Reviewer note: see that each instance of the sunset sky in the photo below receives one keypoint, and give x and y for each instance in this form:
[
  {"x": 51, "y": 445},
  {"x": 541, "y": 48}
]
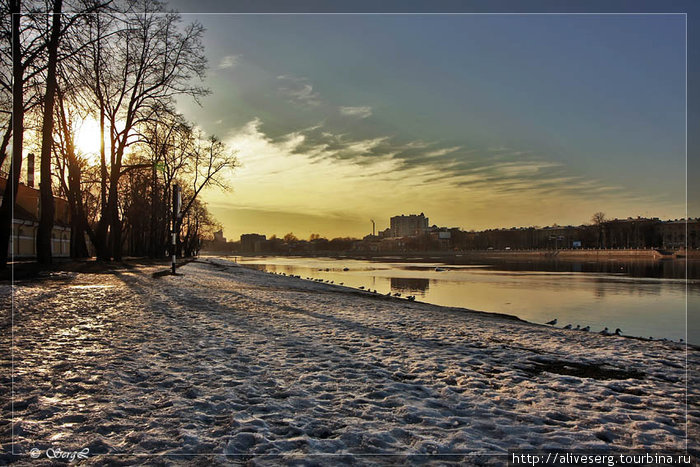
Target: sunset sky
[{"x": 478, "y": 121}]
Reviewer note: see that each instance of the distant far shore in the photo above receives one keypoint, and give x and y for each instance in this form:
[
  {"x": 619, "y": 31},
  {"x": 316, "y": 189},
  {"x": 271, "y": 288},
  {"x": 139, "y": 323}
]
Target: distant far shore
[{"x": 453, "y": 257}]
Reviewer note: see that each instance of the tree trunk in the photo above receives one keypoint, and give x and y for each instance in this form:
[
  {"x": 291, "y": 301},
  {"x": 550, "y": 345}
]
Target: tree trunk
[
  {"x": 115, "y": 225},
  {"x": 78, "y": 221},
  {"x": 153, "y": 234},
  {"x": 100, "y": 241},
  {"x": 12, "y": 182},
  {"x": 5, "y": 142},
  {"x": 47, "y": 208}
]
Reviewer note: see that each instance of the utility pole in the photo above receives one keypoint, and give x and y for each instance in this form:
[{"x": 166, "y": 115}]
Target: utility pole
[{"x": 177, "y": 202}]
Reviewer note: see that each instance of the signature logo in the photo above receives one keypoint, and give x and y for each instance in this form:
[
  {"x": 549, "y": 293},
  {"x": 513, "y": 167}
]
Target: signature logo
[{"x": 58, "y": 453}]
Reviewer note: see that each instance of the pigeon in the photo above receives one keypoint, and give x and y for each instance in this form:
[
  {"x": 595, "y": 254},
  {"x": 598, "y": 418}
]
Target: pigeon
[
  {"x": 568, "y": 326},
  {"x": 587, "y": 328},
  {"x": 552, "y": 323}
]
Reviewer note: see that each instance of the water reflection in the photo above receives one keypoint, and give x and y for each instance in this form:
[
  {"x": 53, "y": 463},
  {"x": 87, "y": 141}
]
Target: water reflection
[{"x": 410, "y": 284}]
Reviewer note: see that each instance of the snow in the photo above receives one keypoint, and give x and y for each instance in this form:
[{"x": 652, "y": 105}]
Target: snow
[{"x": 225, "y": 364}]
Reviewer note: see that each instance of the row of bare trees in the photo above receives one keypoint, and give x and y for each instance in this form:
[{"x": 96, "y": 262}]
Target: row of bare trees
[{"x": 121, "y": 64}]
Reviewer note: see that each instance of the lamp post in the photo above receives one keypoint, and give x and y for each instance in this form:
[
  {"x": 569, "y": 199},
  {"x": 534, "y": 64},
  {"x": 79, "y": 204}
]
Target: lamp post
[{"x": 177, "y": 202}]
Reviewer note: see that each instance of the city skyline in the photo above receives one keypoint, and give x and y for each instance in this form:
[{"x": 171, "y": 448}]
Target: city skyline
[
  {"x": 485, "y": 121},
  {"x": 383, "y": 227}
]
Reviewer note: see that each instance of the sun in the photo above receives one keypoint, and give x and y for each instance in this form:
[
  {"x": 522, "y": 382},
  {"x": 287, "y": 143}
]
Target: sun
[{"x": 87, "y": 138}]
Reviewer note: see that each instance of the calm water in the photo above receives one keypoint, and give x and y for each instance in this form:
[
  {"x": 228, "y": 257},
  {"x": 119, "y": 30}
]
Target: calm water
[{"x": 617, "y": 296}]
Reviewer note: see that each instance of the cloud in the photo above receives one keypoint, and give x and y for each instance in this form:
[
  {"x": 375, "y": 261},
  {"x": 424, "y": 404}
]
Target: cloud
[
  {"x": 299, "y": 90},
  {"x": 229, "y": 61},
  {"x": 442, "y": 152},
  {"x": 314, "y": 170},
  {"x": 359, "y": 112}
]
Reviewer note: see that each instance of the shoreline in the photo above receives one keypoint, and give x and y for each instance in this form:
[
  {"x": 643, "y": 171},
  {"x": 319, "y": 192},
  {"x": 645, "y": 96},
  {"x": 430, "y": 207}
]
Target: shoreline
[
  {"x": 466, "y": 255},
  {"x": 635, "y": 267},
  {"x": 366, "y": 294},
  {"x": 230, "y": 363}
]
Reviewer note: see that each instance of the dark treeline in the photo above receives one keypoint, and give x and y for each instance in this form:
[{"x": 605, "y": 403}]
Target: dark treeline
[
  {"x": 601, "y": 233},
  {"x": 121, "y": 65}
]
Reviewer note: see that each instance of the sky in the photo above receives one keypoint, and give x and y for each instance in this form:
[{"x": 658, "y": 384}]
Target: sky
[{"x": 478, "y": 121}]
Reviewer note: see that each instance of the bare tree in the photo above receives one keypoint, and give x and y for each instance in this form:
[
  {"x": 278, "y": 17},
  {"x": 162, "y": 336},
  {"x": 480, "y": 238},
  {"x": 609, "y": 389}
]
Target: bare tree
[
  {"x": 46, "y": 219},
  {"x": 209, "y": 164},
  {"x": 599, "y": 221},
  {"x": 69, "y": 167},
  {"x": 151, "y": 60},
  {"x": 17, "y": 128}
]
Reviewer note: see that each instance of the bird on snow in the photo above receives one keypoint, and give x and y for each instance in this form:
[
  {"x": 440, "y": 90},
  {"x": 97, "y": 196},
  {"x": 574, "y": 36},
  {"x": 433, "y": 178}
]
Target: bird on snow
[
  {"x": 568, "y": 326},
  {"x": 587, "y": 328},
  {"x": 552, "y": 323}
]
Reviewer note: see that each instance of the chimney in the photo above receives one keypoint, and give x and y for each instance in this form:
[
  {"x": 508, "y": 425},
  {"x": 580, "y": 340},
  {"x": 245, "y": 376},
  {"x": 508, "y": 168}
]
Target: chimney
[{"x": 30, "y": 170}]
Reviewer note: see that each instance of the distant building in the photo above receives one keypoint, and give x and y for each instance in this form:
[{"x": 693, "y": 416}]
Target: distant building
[
  {"x": 252, "y": 243},
  {"x": 219, "y": 237},
  {"x": 409, "y": 226}
]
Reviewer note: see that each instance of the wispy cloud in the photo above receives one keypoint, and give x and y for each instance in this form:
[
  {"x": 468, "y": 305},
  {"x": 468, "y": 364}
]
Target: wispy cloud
[
  {"x": 442, "y": 152},
  {"x": 318, "y": 171},
  {"x": 299, "y": 90},
  {"x": 229, "y": 61},
  {"x": 359, "y": 112}
]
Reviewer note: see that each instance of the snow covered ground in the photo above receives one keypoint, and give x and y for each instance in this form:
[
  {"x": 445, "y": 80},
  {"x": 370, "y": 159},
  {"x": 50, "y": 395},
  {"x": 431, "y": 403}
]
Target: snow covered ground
[{"x": 225, "y": 364}]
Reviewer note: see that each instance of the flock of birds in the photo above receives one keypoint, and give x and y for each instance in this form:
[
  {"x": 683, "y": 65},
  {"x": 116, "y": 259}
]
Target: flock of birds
[
  {"x": 410, "y": 298},
  {"x": 604, "y": 332}
]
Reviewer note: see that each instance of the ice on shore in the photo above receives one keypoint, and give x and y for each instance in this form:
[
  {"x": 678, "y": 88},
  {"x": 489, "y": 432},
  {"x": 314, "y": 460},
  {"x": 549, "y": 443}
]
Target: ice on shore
[{"x": 226, "y": 364}]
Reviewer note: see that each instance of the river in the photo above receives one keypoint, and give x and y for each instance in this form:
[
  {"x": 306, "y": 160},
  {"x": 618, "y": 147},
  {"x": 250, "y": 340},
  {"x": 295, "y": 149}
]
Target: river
[{"x": 642, "y": 299}]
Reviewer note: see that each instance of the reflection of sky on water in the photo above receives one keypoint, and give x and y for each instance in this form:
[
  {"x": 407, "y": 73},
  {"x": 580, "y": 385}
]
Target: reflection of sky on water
[{"x": 640, "y": 306}]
